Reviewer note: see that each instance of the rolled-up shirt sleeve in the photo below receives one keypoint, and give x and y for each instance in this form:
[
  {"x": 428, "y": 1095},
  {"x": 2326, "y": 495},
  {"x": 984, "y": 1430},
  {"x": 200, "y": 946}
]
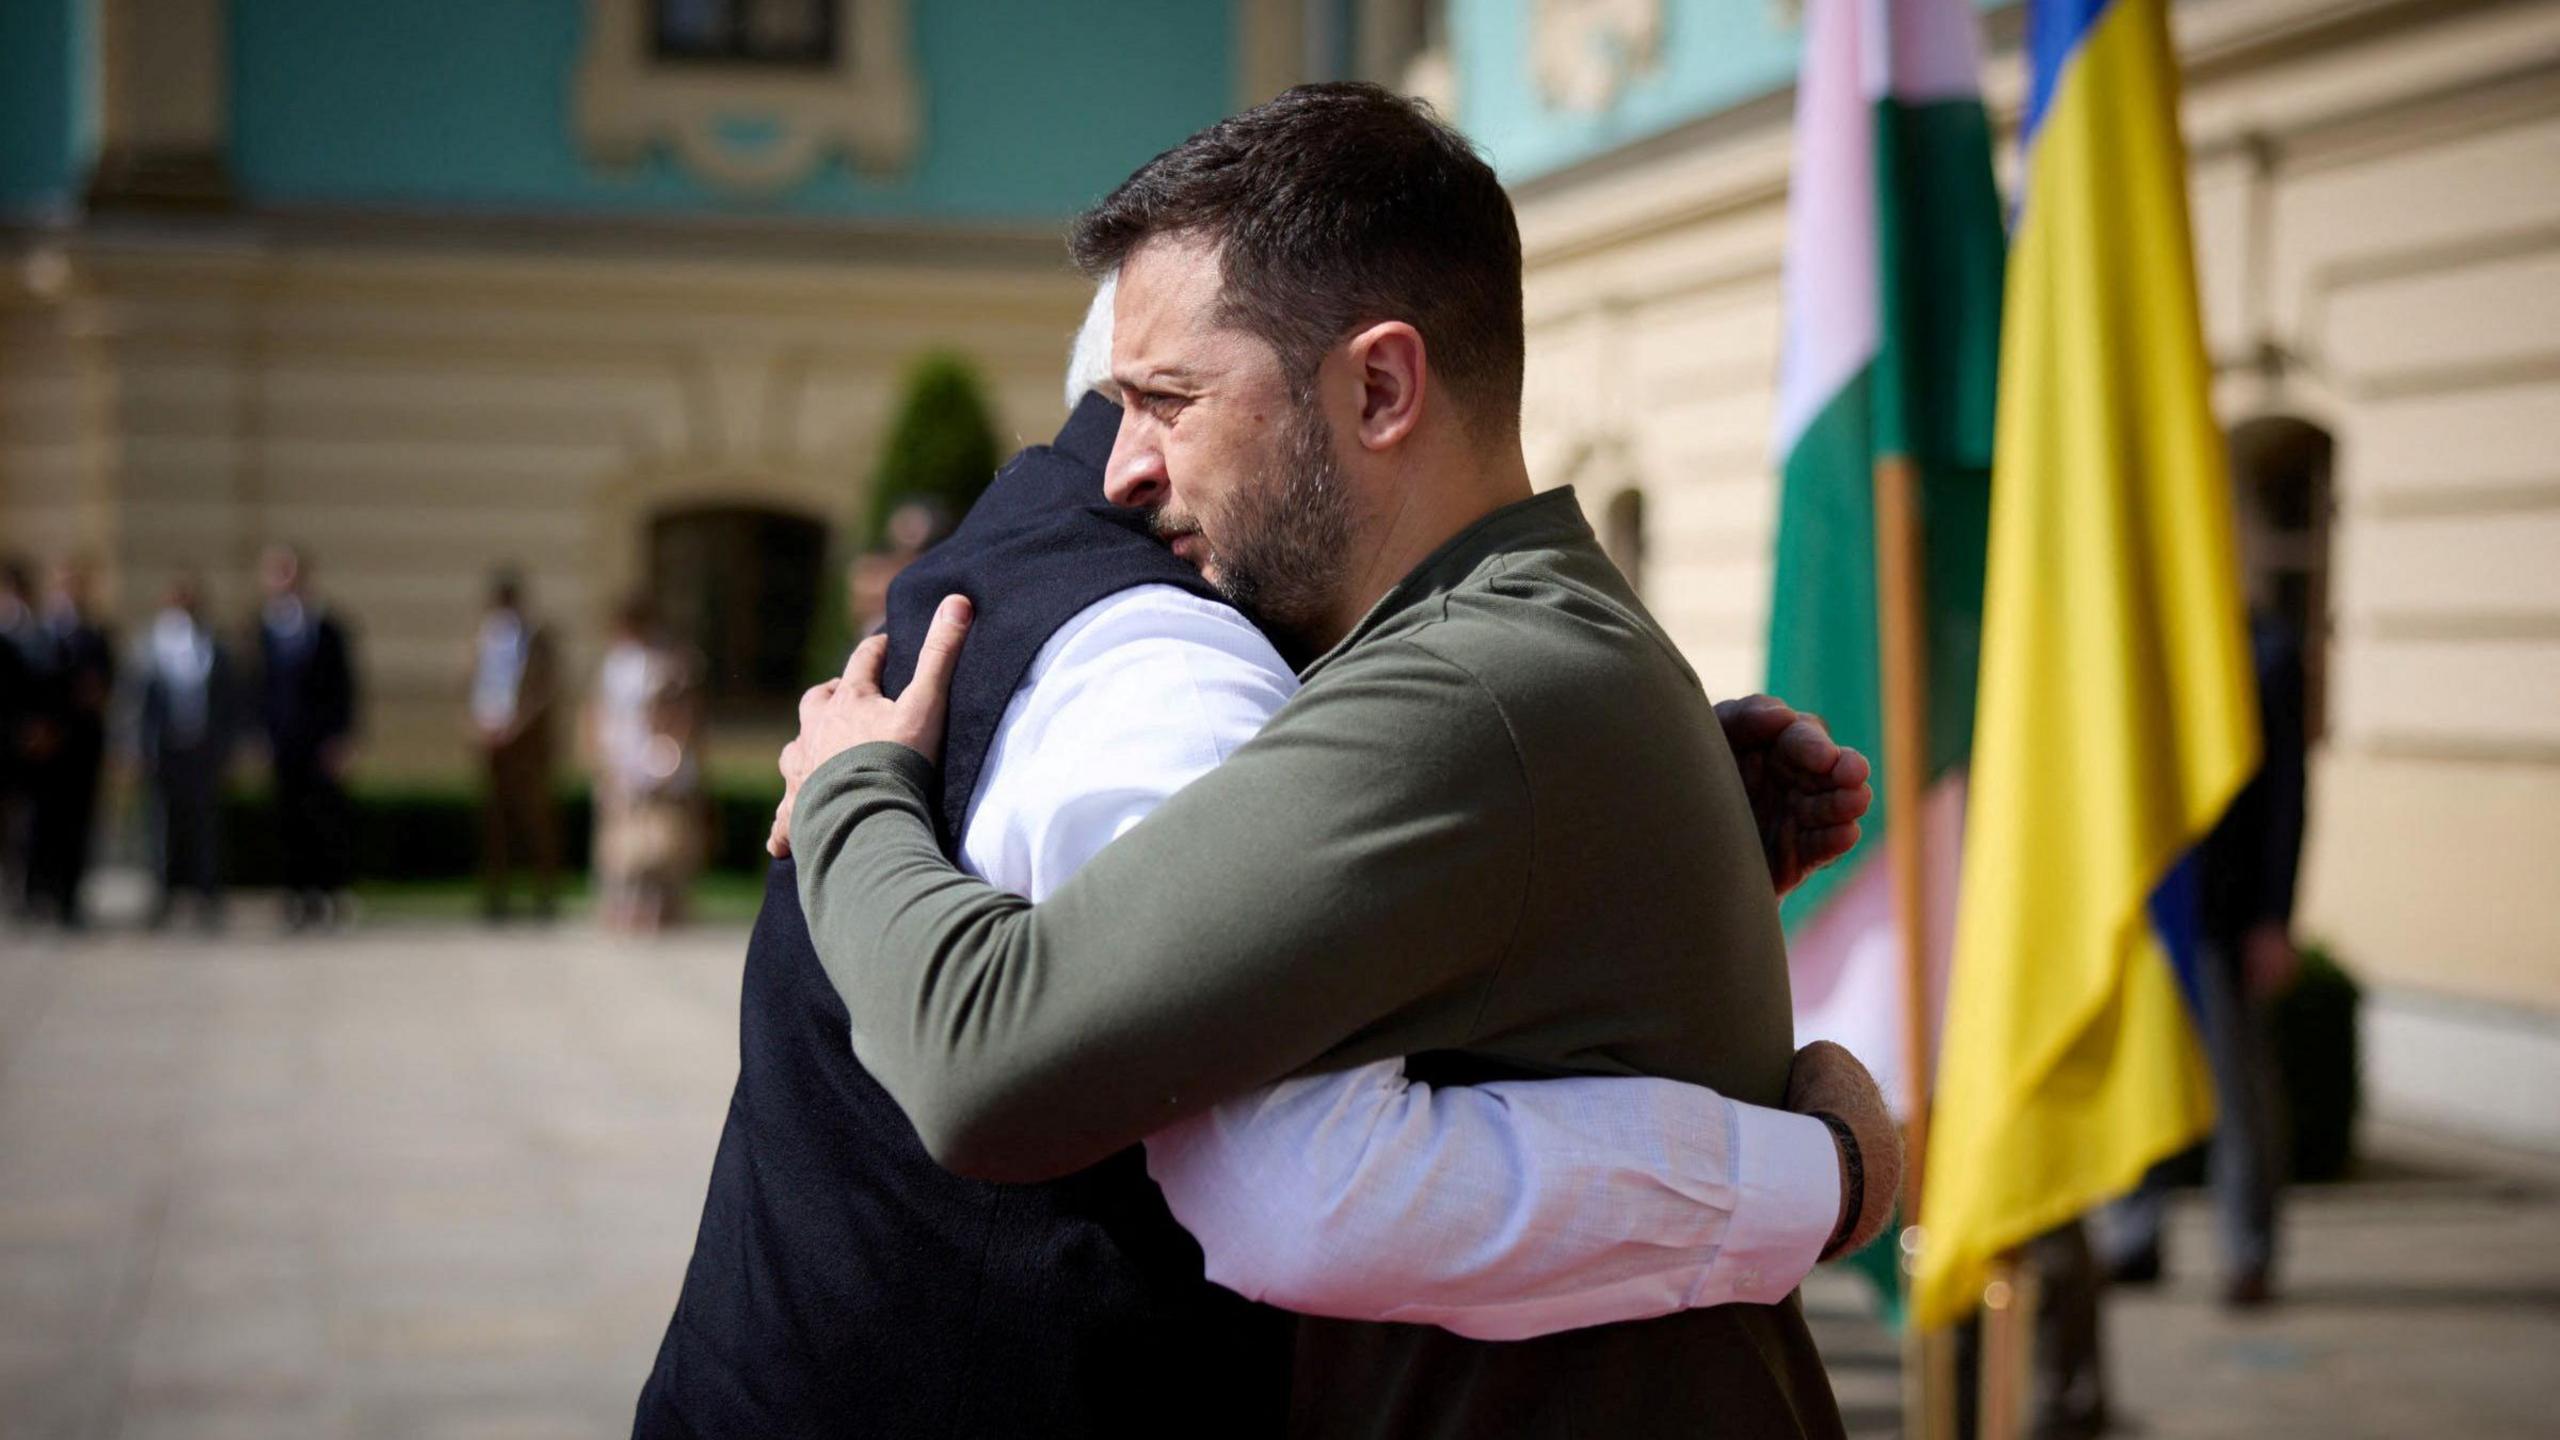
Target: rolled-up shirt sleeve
[{"x": 1500, "y": 1211}]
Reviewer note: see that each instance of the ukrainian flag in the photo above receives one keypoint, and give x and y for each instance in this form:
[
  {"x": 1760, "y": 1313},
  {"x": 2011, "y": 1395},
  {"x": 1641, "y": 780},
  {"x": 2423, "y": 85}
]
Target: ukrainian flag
[{"x": 2116, "y": 716}]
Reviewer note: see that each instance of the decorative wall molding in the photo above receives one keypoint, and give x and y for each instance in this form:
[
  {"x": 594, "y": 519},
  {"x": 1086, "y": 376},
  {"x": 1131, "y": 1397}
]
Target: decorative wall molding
[
  {"x": 867, "y": 104},
  {"x": 1270, "y": 48},
  {"x": 164, "y": 110},
  {"x": 1587, "y": 51}
]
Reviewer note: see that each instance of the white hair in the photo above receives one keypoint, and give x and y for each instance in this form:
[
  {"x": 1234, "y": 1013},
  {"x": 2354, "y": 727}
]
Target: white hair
[{"x": 1089, "y": 366}]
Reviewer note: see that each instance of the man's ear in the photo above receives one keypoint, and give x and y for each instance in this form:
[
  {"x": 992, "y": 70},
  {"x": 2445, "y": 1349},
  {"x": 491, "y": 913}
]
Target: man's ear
[{"x": 1394, "y": 373}]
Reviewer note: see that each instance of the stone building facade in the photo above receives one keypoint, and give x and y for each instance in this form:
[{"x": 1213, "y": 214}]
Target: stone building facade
[
  {"x": 2376, "y": 199},
  {"x": 427, "y": 290}
]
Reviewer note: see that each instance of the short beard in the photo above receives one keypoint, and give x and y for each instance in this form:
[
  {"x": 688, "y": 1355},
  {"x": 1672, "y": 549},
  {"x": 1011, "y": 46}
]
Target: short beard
[{"x": 1283, "y": 541}]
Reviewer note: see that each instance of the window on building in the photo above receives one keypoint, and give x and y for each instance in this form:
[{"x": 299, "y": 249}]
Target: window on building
[
  {"x": 741, "y": 585},
  {"x": 1622, "y": 535},
  {"x": 799, "y": 33},
  {"x": 2280, "y": 467}
]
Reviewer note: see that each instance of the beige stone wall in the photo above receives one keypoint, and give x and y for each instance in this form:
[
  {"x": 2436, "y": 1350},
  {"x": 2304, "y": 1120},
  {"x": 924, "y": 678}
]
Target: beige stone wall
[
  {"x": 2377, "y": 205},
  {"x": 417, "y": 414}
]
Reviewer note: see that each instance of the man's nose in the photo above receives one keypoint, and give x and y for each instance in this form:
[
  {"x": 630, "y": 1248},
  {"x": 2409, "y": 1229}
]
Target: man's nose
[{"x": 1135, "y": 475}]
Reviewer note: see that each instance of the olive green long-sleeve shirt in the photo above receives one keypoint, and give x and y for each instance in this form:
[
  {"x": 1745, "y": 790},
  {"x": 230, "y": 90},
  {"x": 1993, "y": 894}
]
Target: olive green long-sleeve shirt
[{"x": 1499, "y": 817}]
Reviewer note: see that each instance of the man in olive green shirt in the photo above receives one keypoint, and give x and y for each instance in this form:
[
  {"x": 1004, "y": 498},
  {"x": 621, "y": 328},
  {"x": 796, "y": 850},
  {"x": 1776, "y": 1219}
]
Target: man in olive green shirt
[{"x": 1498, "y": 821}]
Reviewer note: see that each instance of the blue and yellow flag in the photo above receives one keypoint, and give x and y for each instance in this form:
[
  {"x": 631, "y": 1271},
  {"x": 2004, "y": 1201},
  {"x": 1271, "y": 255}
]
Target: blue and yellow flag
[{"x": 2116, "y": 715}]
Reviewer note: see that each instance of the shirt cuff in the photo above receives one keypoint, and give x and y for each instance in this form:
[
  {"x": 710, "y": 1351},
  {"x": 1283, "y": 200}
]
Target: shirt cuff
[{"x": 1787, "y": 1202}]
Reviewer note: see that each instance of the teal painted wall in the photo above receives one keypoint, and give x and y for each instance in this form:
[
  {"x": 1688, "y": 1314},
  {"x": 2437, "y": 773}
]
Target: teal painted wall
[
  {"x": 48, "y": 110},
  {"x": 1033, "y": 108},
  {"x": 1715, "y": 54}
]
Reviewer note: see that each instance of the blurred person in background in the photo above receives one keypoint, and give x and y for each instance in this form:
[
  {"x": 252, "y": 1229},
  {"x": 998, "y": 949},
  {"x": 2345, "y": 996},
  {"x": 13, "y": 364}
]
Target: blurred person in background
[
  {"x": 18, "y": 648},
  {"x": 75, "y": 671},
  {"x": 2246, "y": 873},
  {"x": 185, "y": 723},
  {"x": 514, "y": 681},
  {"x": 307, "y": 700},
  {"x": 643, "y": 727},
  {"x": 914, "y": 527}
]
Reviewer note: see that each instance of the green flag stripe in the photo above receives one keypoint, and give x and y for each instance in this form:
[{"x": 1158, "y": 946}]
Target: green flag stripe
[
  {"x": 1944, "y": 258},
  {"x": 1928, "y": 394},
  {"x": 1822, "y": 627}
]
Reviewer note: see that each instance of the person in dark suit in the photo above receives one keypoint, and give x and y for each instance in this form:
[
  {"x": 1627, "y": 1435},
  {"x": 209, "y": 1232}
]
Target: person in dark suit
[
  {"x": 184, "y": 729},
  {"x": 2245, "y": 874},
  {"x": 76, "y": 670},
  {"x": 20, "y": 643},
  {"x": 307, "y": 698}
]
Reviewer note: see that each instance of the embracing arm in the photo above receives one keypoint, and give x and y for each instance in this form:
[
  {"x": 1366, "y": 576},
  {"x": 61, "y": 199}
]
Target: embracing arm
[
  {"x": 1361, "y": 855},
  {"x": 1506, "y": 1210},
  {"x": 1500, "y": 1211},
  {"x": 1124, "y": 760}
]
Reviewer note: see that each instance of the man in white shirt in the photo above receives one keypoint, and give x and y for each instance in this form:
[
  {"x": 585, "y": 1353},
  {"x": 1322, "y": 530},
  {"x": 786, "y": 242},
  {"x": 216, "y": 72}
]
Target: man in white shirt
[{"x": 184, "y": 729}]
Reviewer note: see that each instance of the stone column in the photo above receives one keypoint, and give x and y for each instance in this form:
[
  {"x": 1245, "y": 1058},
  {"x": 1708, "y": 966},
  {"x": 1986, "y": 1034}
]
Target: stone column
[{"x": 165, "y": 105}]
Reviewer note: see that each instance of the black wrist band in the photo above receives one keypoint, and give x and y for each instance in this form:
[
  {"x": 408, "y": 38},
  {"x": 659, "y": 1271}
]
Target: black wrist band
[{"x": 1855, "y": 1179}]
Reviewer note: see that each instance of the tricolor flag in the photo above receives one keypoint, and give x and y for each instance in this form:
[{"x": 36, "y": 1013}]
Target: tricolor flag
[
  {"x": 2117, "y": 714},
  {"x": 1894, "y": 254}
]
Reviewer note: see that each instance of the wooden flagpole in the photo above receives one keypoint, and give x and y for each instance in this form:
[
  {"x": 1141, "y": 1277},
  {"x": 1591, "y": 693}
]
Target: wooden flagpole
[
  {"x": 2009, "y": 1301},
  {"x": 1928, "y": 1361},
  {"x": 1902, "y": 646}
]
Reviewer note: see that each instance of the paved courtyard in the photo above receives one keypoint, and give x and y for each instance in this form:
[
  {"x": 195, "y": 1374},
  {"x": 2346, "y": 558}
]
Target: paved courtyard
[{"x": 440, "y": 1182}]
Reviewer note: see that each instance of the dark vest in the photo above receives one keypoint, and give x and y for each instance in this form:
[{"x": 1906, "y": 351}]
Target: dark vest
[{"x": 844, "y": 1284}]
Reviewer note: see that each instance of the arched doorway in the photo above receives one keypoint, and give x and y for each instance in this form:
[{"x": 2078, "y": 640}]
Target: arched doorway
[
  {"x": 2281, "y": 467},
  {"x": 740, "y": 584}
]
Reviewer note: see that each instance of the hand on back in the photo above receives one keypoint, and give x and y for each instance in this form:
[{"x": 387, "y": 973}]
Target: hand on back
[
  {"x": 837, "y": 715},
  {"x": 1808, "y": 792}
]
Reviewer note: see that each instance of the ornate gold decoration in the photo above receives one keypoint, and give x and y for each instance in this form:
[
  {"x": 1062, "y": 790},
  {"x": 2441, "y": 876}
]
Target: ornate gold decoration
[
  {"x": 867, "y": 104},
  {"x": 1587, "y": 50}
]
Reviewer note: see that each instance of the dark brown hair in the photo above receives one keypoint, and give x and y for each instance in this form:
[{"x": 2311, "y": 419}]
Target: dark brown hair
[{"x": 1335, "y": 206}]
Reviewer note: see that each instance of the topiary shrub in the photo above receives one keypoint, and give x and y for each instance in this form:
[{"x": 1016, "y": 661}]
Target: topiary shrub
[
  {"x": 941, "y": 449},
  {"x": 2318, "y": 1060}
]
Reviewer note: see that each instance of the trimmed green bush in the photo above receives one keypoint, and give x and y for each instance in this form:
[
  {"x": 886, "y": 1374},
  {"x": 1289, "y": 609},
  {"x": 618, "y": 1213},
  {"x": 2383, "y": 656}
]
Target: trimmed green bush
[
  {"x": 941, "y": 449},
  {"x": 2318, "y": 1060}
]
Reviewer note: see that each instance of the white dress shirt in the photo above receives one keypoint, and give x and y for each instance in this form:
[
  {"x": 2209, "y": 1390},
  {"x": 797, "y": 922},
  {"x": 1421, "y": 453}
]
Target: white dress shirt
[
  {"x": 497, "y": 677},
  {"x": 1498, "y": 1211},
  {"x": 182, "y": 658}
]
